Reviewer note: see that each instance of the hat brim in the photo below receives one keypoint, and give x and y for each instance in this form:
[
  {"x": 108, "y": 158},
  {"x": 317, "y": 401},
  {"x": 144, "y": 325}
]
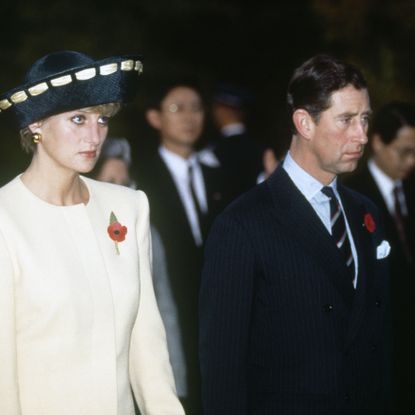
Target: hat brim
[{"x": 108, "y": 80}]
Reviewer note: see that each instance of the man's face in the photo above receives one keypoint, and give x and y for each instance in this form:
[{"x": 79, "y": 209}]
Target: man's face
[
  {"x": 397, "y": 158},
  {"x": 339, "y": 135},
  {"x": 181, "y": 117}
]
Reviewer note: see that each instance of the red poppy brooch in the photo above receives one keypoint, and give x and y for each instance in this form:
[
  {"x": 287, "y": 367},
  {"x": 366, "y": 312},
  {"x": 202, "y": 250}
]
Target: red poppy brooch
[
  {"x": 116, "y": 231},
  {"x": 369, "y": 223}
]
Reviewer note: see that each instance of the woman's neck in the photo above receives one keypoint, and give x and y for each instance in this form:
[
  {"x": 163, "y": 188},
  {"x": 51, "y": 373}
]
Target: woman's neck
[{"x": 61, "y": 188}]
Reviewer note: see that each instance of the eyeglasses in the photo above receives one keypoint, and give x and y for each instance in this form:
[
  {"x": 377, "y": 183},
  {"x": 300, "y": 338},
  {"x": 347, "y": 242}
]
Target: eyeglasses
[{"x": 178, "y": 108}]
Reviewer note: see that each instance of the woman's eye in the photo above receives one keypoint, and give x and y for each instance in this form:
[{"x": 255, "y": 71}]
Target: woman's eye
[
  {"x": 103, "y": 120},
  {"x": 78, "y": 119}
]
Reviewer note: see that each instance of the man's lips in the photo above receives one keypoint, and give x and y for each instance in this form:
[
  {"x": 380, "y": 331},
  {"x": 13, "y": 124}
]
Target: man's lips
[{"x": 354, "y": 154}]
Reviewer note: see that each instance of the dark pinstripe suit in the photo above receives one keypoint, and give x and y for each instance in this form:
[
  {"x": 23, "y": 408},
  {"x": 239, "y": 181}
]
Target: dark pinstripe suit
[{"x": 281, "y": 329}]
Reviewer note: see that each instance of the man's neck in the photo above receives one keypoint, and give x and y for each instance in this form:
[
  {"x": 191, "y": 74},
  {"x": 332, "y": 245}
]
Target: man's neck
[{"x": 181, "y": 150}]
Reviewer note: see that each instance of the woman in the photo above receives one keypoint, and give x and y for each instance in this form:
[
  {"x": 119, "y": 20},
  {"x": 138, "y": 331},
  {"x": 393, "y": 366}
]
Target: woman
[
  {"x": 113, "y": 165},
  {"x": 78, "y": 317}
]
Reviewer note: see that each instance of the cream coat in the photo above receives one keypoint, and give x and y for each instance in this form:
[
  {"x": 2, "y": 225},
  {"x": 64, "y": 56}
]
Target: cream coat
[{"x": 79, "y": 324}]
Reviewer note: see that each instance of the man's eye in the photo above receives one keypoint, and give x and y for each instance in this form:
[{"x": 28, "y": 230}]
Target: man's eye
[
  {"x": 346, "y": 120},
  {"x": 78, "y": 119},
  {"x": 365, "y": 120},
  {"x": 103, "y": 120}
]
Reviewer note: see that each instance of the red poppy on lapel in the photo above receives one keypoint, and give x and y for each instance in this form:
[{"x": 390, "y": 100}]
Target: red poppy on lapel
[
  {"x": 116, "y": 231},
  {"x": 369, "y": 223}
]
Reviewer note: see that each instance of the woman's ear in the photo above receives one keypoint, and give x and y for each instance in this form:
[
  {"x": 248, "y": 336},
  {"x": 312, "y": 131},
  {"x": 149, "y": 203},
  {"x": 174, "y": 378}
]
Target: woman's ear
[
  {"x": 35, "y": 127},
  {"x": 304, "y": 123},
  {"x": 153, "y": 118}
]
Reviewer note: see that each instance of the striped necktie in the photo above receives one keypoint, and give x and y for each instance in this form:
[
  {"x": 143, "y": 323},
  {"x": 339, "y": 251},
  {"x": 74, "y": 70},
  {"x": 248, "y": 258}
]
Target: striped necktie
[
  {"x": 201, "y": 216},
  {"x": 401, "y": 220},
  {"x": 339, "y": 231}
]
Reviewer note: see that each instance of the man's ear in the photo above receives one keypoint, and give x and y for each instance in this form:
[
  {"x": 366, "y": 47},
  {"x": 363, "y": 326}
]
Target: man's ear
[
  {"x": 153, "y": 118},
  {"x": 376, "y": 143},
  {"x": 304, "y": 123}
]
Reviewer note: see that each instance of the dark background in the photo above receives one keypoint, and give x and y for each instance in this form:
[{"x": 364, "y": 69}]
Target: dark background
[{"x": 254, "y": 44}]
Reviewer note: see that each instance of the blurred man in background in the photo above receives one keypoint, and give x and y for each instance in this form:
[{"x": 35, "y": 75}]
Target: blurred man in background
[
  {"x": 184, "y": 196},
  {"x": 239, "y": 154},
  {"x": 385, "y": 180}
]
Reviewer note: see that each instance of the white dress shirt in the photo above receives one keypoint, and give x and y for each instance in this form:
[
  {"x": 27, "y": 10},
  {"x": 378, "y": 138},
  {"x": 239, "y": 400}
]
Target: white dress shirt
[
  {"x": 311, "y": 190},
  {"x": 386, "y": 185},
  {"x": 236, "y": 128},
  {"x": 179, "y": 170}
]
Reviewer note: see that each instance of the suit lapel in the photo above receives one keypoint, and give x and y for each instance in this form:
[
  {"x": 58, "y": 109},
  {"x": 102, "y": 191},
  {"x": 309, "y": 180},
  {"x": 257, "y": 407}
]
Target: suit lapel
[
  {"x": 214, "y": 194},
  {"x": 171, "y": 195},
  {"x": 355, "y": 211},
  {"x": 294, "y": 212}
]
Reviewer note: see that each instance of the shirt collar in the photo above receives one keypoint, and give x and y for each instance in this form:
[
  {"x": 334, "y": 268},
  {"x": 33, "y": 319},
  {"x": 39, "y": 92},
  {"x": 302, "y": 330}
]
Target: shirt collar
[
  {"x": 177, "y": 165},
  {"x": 306, "y": 184},
  {"x": 233, "y": 129},
  {"x": 381, "y": 178}
]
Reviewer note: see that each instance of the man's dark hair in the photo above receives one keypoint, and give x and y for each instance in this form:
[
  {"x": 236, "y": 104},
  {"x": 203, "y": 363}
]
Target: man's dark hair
[
  {"x": 162, "y": 88},
  {"x": 313, "y": 83},
  {"x": 391, "y": 118}
]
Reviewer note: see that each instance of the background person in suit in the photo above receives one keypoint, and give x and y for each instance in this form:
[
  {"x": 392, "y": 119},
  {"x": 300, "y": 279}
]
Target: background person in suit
[
  {"x": 294, "y": 294},
  {"x": 184, "y": 195},
  {"x": 239, "y": 154},
  {"x": 385, "y": 180}
]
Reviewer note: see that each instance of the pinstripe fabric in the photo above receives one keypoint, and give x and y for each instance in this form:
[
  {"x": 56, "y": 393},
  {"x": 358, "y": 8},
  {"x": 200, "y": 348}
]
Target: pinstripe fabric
[{"x": 281, "y": 331}]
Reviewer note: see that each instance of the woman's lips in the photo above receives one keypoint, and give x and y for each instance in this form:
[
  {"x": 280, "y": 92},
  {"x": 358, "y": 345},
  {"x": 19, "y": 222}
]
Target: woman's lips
[{"x": 89, "y": 154}]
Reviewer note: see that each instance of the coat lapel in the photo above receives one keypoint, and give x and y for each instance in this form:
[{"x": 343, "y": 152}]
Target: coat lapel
[
  {"x": 355, "y": 211},
  {"x": 294, "y": 212}
]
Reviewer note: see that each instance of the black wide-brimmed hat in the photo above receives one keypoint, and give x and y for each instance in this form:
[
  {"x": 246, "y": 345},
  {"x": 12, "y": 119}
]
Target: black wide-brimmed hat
[{"x": 68, "y": 80}]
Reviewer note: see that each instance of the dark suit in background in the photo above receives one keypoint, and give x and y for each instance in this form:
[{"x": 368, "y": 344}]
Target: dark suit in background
[
  {"x": 184, "y": 258},
  {"x": 241, "y": 160},
  {"x": 238, "y": 153},
  {"x": 402, "y": 287}
]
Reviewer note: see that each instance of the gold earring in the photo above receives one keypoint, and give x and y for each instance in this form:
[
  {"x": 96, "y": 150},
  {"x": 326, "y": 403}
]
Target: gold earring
[{"x": 37, "y": 138}]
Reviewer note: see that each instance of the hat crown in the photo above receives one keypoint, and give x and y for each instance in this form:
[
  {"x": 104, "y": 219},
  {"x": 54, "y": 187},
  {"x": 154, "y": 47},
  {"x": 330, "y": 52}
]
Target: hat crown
[{"x": 56, "y": 62}]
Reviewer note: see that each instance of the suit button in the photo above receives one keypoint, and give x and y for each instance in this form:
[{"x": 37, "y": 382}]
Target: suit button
[
  {"x": 346, "y": 397},
  {"x": 373, "y": 348},
  {"x": 377, "y": 303},
  {"x": 328, "y": 308}
]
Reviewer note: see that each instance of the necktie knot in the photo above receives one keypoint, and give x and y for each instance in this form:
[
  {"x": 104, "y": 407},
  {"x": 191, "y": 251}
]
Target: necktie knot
[{"x": 328, "y": 191}]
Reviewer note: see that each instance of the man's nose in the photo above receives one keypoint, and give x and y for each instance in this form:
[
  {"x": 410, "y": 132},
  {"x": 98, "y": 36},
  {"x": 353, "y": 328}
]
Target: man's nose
[{"x": 361, "y": 132}]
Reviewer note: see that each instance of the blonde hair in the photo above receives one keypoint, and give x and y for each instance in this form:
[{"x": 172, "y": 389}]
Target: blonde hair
[{"x": 26, "y": 135}]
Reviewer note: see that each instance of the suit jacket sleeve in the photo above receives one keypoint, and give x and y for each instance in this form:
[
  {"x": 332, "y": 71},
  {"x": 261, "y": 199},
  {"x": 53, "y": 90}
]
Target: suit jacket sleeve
[
  {"x": 9, "y": 392},
  {"x": 225, "y": 313},
  {"x": 150, "y": 369}
]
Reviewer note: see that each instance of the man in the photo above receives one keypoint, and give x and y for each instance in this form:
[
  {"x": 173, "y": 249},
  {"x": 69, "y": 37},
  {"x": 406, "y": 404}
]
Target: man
[
  {"x": 184, "y": 195},
  {"x": 294, "y": 289},
  {"x": 239, "y": 155},
  {"x": 385, "y": 180}
]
